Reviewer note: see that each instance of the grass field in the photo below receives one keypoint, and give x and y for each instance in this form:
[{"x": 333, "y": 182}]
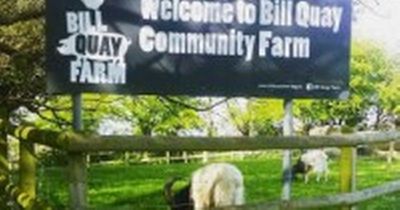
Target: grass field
[{"x": 140, "y": 186}]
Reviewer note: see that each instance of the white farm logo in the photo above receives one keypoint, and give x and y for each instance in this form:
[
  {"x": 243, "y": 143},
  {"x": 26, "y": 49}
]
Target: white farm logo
[{"x": 99, "y": 54}]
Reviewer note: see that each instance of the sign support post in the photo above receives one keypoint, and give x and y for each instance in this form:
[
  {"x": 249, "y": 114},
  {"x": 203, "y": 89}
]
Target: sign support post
[
  {"x": 77, "y": 171},
  {"x": 286, "y": 164}
]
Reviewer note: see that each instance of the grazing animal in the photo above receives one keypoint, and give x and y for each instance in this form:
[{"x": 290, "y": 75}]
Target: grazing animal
[
  {"x": 214, "y": 185},
  {"x": 180, "y": 200},
  {"x": 317, "y": 160},
  {"x": 300, "y": 168}
]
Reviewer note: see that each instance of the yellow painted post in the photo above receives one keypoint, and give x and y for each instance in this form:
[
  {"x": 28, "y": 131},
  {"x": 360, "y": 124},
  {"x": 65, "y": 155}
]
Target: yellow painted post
[
  {"x": 347, "y": 172},
  {"x": 27, "y": 173}
]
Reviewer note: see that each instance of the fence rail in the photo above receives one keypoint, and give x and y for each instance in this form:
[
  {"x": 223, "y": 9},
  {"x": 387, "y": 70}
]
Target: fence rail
[
  {"x": 88, "y": 143},
  {"x": 201, "y": 156},
  {"x": 326, "y": 201}
]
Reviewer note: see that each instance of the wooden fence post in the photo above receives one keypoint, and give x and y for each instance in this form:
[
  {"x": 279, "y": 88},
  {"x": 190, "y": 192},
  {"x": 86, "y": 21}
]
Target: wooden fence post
[
  {"x": 348, "y": 172},
  {"x": 27, "y": 173},
  {"x": 185, "y": 157},
  {"x": 126, "y": 158},
  {"x": 205, "y": 157},
  {"x": 391, "y": 152},
  {"x": 168, "y": 157},
  {"x": 287, "y": 154},
  {"x": 77, "y": 173}
]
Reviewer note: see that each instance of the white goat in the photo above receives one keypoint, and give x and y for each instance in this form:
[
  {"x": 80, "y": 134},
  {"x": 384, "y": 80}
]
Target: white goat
[
  {"x": 317, "y": 160},
  {"x": 217, "y": 185}
]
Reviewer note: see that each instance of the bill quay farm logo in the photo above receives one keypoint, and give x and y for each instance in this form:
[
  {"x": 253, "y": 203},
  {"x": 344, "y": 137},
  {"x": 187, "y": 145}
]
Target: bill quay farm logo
[{"x": 99, "y": 55}]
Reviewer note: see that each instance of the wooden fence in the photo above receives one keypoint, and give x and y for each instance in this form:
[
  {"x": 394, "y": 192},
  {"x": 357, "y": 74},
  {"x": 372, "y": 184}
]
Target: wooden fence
[
  {"x": 202, "y": 156},
  {"x": 78, "y": 144}
]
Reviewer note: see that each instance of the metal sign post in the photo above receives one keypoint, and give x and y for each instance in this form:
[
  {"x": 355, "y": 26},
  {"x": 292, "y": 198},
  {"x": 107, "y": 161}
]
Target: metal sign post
[
  {"x": 77, "y": 171},
  {"x": 287, "y": 131}
]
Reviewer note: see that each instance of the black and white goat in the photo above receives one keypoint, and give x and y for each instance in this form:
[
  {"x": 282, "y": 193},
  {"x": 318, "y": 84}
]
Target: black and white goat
[
  {"x": 312, "y": 162},
  {"x": 300, "y": 168},
  {"x": 180, "y": 200},
  {"x": 214, "y": 185}
]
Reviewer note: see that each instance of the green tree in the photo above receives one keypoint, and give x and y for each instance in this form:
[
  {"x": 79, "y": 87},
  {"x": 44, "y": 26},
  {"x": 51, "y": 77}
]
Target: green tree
[
  {"x": 241, "y": 116},
  {"x": 21, "y": 67},
  {"x": 21, "y": 55},
  {"x": 55, "y": 112},
  {"x": 390, "y": 97},
  {"x": 268, "y": 115},
  {"x": 256, "y": 116},
  {"x": 151, "y": 115},
  {"x": 370, "y": 70}
]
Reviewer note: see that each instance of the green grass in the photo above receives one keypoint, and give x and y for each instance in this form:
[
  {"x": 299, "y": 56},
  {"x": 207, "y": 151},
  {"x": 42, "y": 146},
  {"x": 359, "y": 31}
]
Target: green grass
[{"x": 141, "y": 185}]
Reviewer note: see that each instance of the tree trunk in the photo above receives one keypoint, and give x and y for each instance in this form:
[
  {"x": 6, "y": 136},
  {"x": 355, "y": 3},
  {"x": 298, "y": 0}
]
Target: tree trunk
[{"x": 379, "y": 113}]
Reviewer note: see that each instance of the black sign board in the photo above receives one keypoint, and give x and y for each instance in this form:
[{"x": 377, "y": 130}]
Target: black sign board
[{"x": 275, "y": 48}]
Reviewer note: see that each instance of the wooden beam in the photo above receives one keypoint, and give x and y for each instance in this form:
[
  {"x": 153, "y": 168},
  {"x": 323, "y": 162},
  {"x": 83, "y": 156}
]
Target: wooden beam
[
  {"x": 23, "y": 200},
  {"x": 74, "y": 142},
  {"x": 58, "y": 140},
  {"x": 326, "y": 201},
  {"x": 158, "y": 144}
]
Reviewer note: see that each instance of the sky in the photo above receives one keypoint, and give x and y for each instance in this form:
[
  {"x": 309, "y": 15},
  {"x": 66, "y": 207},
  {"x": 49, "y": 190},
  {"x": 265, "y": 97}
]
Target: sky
[{"x": 380, "y": 21}]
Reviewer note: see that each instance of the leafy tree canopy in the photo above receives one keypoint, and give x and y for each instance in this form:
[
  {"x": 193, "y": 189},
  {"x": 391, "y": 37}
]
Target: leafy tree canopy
[
  {"x": 371, "y": 71},
  {"x": 21, "y": 53}
]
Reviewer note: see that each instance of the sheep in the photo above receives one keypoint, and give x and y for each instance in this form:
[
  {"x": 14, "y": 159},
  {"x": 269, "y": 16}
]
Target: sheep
[
  {"x": 217, "y": 185},
  {"x": 317, "y": 160},
  {"x": 214, "y": 185}
]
